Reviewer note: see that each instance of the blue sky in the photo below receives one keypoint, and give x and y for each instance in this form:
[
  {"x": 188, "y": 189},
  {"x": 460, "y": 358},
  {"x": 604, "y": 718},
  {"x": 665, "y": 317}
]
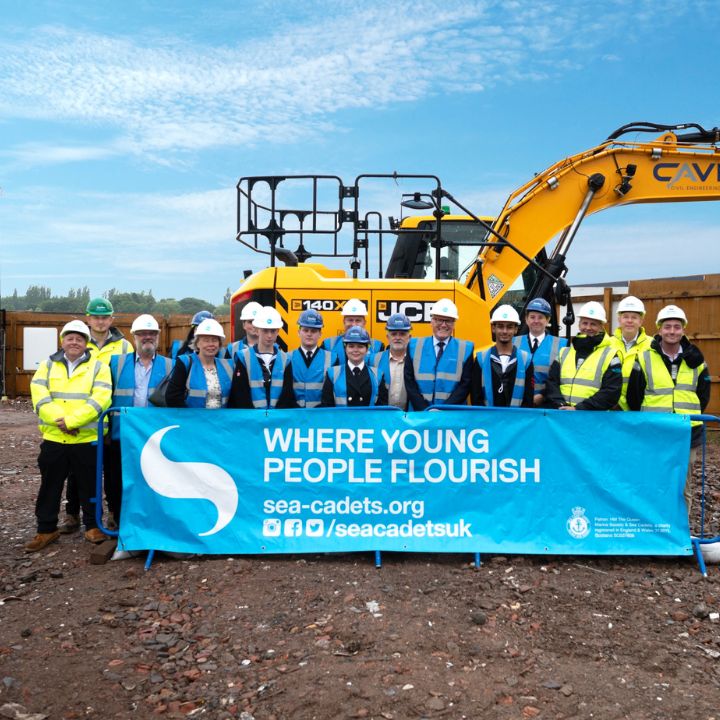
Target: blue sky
[{"x": 126, "y": 126}]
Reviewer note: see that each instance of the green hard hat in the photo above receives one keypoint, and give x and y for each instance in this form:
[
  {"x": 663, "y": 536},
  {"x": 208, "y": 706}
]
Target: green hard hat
[{"x": 99, "y": 306}]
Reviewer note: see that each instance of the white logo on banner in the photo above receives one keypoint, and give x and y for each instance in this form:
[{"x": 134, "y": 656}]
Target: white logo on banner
[
  {"x": 578, "y": 525},
  {"x": 189, "y": 480},
  {"x": 271, "y": 527}
]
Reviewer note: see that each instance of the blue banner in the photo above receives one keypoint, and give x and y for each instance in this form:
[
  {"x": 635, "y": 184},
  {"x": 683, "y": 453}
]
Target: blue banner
[{"x": 338, "y": 480}]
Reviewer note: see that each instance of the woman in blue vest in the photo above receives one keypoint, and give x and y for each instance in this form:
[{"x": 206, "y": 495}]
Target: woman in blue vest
[
  {"x": 201, "y": 379},
  {"x": 503, "y": 375}
]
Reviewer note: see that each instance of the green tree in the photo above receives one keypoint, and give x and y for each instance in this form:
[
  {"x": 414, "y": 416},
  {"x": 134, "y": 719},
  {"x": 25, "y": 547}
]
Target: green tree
[
  {"x": 132, "y": 302},
  {"x": 191, "y": 305},
  {"x": 167, "y": 307}
]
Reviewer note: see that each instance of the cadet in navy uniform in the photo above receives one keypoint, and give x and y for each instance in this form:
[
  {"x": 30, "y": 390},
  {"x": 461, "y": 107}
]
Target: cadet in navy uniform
[
  {"x": 502, "y": 374},
  {"x": 390, "y": 363},
  {"x": 441, "y": 369},
  {"x": 354, "y": 383},
  {"x": 309, "y": 363},
  {"x": 261, "y": 378},
  {"x": 354, "y": 314},
  {"x": 542, "y": 346}
]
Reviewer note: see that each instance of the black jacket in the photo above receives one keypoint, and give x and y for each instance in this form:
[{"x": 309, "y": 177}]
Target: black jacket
[
  {"x": 606, "y": 398},
  {"x": 693, "y": 357},
  {"x": 503, "y": 383},
  {"x": 359, "y": 390}
]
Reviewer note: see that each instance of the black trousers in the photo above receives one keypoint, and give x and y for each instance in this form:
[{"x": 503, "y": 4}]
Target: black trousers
[
  {"x": 56, "y": 461},
  {"x": 113, "y": 478},
  {"x": 72, "y": 498}
]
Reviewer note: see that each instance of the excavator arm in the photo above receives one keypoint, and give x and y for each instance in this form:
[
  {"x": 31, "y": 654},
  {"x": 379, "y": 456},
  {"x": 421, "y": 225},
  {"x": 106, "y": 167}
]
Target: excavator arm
[{"x": 670, "y": 168}]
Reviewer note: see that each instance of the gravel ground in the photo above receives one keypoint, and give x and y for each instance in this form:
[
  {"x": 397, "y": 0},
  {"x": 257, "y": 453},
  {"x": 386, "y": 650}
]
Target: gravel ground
[{"x": 331, "y": 636}]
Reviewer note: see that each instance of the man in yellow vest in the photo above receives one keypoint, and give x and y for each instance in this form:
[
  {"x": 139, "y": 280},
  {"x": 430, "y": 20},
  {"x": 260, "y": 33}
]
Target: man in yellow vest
[
  {"x": 629, "y": 339},
  {"x": 69, "y": 392},
  {"x": 671, "y": 376},
  {"x": 104, "y": 342},
  {"x": 587, "y": 374}
]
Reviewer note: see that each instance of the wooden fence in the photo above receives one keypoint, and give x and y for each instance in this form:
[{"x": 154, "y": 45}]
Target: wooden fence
[
  {"x": 17, "y": 377},
  {"x": 699, "y": 298}
]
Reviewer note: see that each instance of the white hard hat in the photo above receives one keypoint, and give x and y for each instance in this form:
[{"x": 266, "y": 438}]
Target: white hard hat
[
  {"x": 671, "y": 312},
  {"x": 444, "y": 307},
  {"x": 267, "y": 317},
  {"x": 144, "y": 322},
  {"x": 75, "y": 326},
  {"x": 354, "y": 307},
  {"x": 250, "y": 310},
  {"x": 210, "y": 327},
  {"x": 631, "y": 304},
  {"x": 593, "y": 311},
  {"x": 505, "y": 313}
]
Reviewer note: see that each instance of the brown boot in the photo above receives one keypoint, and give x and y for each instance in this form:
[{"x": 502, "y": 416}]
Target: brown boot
[
  {"x": 41, "y": 540},
  {"x": 70, "y": 524},
  {"x": 95, "y": 535}
]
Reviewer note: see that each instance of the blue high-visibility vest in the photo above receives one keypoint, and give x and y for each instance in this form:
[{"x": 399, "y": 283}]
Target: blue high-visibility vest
[
  {"x": 197, "y": 388},
  {"x": 542, "y": 358},
  {"x": 337, "y": 377},
  {"x": 308, "y": 381},
  {"x": 122, "y": 368},
  {"x": 518, "y": 393},
  {"x": 437, "y": 380},
  {"x": 258, "y": 395}
]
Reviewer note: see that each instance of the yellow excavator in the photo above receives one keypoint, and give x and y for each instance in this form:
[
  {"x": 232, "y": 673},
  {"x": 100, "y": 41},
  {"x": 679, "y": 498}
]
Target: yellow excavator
[{"x": 475, "y": 261}]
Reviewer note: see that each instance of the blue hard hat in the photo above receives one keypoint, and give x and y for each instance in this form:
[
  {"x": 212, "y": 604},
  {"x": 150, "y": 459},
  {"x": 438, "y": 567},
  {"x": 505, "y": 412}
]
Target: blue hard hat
[
  {"x": 539, "y": 305},
  {"x": 198, "y": 317},
  {"x": 310, "y": 319},
  {"x": 398, "y": 321},
  {"x": 356, "y": 334}
]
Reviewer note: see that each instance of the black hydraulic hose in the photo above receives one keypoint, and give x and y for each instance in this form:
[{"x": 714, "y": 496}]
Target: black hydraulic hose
[{"x": 702, "y": 135}]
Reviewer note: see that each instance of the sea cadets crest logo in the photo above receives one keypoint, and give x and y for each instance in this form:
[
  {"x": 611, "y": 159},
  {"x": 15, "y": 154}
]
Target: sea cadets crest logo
[{"x": 578, "y": 525}]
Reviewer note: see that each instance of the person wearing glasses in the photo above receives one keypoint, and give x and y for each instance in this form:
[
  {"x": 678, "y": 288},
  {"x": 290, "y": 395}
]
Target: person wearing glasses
[{"x": 441, "y": 369}]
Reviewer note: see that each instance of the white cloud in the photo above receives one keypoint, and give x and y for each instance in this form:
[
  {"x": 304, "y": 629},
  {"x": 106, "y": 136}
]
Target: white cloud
[{"x": 164, "y": 94}]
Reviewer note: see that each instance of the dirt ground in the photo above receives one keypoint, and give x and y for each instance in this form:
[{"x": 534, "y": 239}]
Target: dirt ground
[{"x": 331, "y": 636}]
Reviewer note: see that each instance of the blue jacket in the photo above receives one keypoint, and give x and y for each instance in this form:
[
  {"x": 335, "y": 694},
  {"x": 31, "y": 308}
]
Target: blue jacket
[{"x": 122, "y": 368}]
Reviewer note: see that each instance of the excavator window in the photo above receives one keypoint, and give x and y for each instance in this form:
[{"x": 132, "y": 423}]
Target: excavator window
[{"x": 414, "y": 253}]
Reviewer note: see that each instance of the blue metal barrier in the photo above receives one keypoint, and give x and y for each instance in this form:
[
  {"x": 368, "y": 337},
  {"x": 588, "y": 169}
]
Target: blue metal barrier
[{"x": 701, "y": 539}]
